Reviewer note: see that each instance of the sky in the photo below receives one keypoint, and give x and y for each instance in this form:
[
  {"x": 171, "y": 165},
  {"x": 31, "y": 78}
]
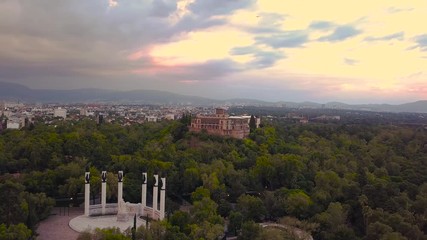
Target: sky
[{"x": 276, "y": 50}]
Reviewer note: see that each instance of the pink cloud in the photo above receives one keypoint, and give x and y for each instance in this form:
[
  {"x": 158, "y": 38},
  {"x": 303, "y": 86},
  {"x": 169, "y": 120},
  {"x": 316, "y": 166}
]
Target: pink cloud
[
  {"x": 418, "y": 89},
  {"x": 189, "y": 81}
]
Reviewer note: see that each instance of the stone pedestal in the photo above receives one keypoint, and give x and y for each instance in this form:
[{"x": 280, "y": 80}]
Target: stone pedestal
[
  {"x": 103, "y": 197},
  {"x": 162, "y": 198},
  {"x": 155, "y": 194},
  {"x": 87, "y": 193},
  {"x": 122, "y": 214},
  {"x": 120, "y": 186},
  {"x": 144, "y": 193}
]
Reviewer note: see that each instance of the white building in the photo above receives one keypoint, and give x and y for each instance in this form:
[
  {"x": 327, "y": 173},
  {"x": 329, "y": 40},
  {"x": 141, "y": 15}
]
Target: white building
[
  {"x": 15, "y": 123},
  {"x": 83, "y": 112},
  {"x": 12, "y": 105},
  {"x": 60, "y": 112},
  {"x": 151, "y": 118},
  {"x": 7, "y": 114},
  {"x": 169, "y": 117}
]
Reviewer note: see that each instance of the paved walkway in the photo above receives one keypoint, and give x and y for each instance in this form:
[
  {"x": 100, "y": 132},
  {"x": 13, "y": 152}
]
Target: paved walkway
[{"x": 56, "y": 226}]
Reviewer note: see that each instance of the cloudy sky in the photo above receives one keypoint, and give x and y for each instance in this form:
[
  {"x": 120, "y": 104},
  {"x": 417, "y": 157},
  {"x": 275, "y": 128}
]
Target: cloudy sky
[{"x": 330, "y": 50}]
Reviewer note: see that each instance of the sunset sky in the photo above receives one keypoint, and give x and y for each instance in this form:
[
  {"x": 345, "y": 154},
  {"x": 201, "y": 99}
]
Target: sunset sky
[{"x": 332, "y": 50}]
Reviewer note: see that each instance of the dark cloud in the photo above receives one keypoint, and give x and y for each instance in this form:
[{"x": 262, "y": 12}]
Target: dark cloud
[
  {"x": 54, "y": 41},
  {"x": 320, "y": 25},
  {"x": 262, "y": 59},
  {"x": 341, "y": 33},
  {"x": 209, "y": 8},
  {"x": 163, "y": 8},
  {"x": 398, "y": 36},
  {"x": 271, "y": 20},
  {"x": 14, "y": 69},
  {"x": 85, "y": 26},
  {"x": 291, "y": 39},
  {"x": 212, "y": 69},
  {"x": 244, "y": 50},
  {"x": 209, "y": 70},
  {"x": 421, "y": 41},
  {"x": 194, "y": 23}
]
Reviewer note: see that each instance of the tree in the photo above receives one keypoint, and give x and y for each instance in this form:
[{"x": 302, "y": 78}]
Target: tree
[
  {"x": 206, "y": 223},
  {"x": 274, "y": 205},
  {"x": 181, "y": 220},
  {"x": 16, "y": 232},
  {"x": 250, "y": 231},
  {"x": 157, "y": 230},
  {"x": 252, "y": 123},
  {"x": 298, "y": 203},
  {"x": 328, "y": 186},
  {"x": 252, "y": 208},
  {"x": 39, "y": 207},
  {"x": 206, "y": 230},
  {"x": 393, "y": 236},
  {"x": 205, "y": 210},
  {"x": 235, "y": 222},
  {"x": 378, "y": 230},
  {"x": 72, "y": 187},
  {"x": 265, "y": 171},
  {"x": 333, "y": 223},
  {"x": 224, "y": 207},
  {"x": 200, "y": 193},
  {"x": 95, "y": 183},
  {"x": 13, "y": 207},
  {"x": 105, "y": 233}
]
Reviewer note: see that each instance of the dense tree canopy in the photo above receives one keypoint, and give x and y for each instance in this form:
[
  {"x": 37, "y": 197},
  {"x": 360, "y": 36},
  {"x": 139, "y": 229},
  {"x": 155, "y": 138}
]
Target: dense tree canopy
[{"x": 356, "y": 181}]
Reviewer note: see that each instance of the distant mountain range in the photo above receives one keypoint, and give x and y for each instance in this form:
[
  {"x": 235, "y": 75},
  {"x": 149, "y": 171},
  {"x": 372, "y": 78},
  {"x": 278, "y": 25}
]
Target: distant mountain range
[{"x": 17, "y": 92}]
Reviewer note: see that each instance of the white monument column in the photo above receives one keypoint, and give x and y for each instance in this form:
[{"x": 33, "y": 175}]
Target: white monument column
[
  {"x": 103, "y": 191},
  {"x": 144, "y": 192},
  {"x": 87, "y": 193},
  {"x": 162, "y": 197},
  {"x": 120, "y": 187},
  {"x": 155, "y": 194}
]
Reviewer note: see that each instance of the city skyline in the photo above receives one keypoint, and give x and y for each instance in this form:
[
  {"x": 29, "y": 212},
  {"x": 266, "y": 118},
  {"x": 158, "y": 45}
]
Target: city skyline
[{"x": 354, "y": 52}]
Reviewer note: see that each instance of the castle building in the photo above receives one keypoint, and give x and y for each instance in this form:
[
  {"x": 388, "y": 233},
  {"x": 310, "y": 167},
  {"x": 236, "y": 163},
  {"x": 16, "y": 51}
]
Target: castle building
[{"x": 222, "y": 124}]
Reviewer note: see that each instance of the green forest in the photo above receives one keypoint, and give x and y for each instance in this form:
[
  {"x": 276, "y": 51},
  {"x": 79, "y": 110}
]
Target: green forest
[{"x": 332, "y": 180}]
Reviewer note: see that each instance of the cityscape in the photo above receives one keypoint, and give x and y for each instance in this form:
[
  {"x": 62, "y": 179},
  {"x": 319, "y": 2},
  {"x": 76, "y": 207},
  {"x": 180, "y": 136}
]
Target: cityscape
[
  {"x": 119, "y": 142},
  {"x": 213, "y": 119}
]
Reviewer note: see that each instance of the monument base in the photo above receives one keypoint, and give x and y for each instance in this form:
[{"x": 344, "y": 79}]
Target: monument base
[
  {"x": 83, "y": 223},
  {"x": 122, "y": 217}
]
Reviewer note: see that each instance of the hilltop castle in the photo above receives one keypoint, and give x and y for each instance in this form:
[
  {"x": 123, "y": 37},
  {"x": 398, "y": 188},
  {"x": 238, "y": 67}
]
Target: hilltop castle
[{"x": 222, "y": 124}]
